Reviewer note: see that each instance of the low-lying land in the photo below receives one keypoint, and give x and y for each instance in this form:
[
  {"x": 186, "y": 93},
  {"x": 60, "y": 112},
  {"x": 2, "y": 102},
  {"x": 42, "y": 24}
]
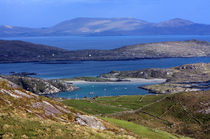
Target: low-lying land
[
  {"x": 19, "y": 51},
  {"x": 181, "y": 113}
]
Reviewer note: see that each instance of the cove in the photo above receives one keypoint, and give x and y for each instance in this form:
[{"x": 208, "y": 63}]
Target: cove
[{"x": 88, "y": 90}]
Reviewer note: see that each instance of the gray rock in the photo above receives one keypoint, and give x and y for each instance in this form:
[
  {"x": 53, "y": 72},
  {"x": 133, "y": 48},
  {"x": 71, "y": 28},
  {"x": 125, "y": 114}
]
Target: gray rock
[
  {"x": 38, "y": 86},
  {"x": 90, "y": 121}
]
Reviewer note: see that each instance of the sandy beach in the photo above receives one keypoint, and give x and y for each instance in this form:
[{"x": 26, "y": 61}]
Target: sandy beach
[{"x": 125, "y": 80}]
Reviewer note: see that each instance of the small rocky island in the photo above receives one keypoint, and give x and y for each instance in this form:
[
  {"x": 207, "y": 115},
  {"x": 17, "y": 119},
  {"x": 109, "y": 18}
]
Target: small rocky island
[
  {"x": 19, "y": 51},
  {"x": 185, "y": 78}
]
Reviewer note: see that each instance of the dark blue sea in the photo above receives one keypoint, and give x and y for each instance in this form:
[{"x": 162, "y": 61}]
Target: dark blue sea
[
  {"x": 95, "y": 68},
  {"x": 107, "y": 42}
]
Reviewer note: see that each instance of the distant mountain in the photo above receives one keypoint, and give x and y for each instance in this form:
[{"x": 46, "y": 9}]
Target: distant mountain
[
  {"x": 95, "y": 25},
  {"x": 10, "y": 31},
  {"x": 177, "y": 22},
  {"x": 19, "y": 51},
  {"x": 110, "y": 26}
]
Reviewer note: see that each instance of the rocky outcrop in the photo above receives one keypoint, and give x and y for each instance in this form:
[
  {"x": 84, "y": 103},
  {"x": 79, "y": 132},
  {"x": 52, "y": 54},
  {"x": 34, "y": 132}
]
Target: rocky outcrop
[
  {"x": 39, "y": 86},
  {"x": 44, "y": 108},
  {"x": 90, "y": 121}
]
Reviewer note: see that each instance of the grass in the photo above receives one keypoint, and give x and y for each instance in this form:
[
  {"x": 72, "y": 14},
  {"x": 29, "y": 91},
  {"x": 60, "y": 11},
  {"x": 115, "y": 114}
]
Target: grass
[
  {"x": 156, "y": 112},
  {"x": 109, "y": 105},
  {"x": 129, "y": 102},
  {"x": 91, "y": 107},
  {"x": 142, "y": 131},
  {"x": 16, "y": 127},
  {"x": 174, "y": 113},
  {"x": 16, "y": 121}
]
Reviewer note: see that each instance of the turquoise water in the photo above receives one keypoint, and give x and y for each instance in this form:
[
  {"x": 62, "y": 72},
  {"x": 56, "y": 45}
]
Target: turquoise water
[
  {"x": 104, "y": 42},
  {"x": 104, "y": 89}
]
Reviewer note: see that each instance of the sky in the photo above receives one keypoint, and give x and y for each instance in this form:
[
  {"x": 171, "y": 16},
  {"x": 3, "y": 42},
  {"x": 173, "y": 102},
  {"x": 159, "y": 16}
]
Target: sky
[{"x": 46, "y": 13}]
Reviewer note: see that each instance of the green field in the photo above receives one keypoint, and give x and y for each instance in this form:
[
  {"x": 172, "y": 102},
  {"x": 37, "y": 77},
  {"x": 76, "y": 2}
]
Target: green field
[
  {"x": 174, "y": 113},
  {"x": 108, "y": 105}
]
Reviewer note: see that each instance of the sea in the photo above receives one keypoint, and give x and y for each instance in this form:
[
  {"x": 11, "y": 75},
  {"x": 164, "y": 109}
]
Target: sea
[{"x": 70, "y": 69}]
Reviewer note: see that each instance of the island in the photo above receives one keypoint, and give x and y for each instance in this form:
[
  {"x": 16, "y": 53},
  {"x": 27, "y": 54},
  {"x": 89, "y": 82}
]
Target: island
[{"x": 185, "y": 78}]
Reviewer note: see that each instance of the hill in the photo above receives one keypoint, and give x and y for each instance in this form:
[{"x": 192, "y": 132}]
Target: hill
[
  {"x": 110, "y": 26},
  {"x": 183, "y": 113},
  {"x": 19, "y": 51},
  {"x": 27, "y": 115}
]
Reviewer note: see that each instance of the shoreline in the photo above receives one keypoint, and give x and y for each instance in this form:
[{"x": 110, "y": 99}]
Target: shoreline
[{"x": 125, "y": 80}]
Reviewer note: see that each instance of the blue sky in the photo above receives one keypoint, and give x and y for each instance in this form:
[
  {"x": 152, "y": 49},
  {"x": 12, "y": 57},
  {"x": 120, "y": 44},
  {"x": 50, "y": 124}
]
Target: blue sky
[{"x": 44, "y": 13}]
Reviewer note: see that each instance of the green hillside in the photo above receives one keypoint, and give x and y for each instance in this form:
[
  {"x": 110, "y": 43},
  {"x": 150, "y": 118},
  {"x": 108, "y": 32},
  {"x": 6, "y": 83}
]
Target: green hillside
[{"x": 181, "y": 113}]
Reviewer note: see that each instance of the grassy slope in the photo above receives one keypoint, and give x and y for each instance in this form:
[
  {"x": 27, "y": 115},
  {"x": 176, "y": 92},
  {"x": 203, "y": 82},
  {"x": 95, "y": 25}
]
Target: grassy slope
[
  {"x": 18, "y": 120},
  {"x": 143, "y": 132},
  {"x": 175, "y": 113}
]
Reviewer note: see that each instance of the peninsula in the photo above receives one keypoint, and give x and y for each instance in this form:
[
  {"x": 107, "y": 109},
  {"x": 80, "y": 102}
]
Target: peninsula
[{"x": 19, "y": 51}]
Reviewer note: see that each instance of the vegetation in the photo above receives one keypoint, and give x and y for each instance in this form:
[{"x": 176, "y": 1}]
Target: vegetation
[
  {"x": 108, "y": 105},
  {"x": 183, "y": 113},
  {"x": 26, "y": 115},
  {"x": 92, "y": 108},
  {"x": 142, "y": 131}
]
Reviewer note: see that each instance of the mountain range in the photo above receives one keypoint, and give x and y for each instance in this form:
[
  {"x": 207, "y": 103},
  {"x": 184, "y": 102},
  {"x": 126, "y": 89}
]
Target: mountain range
[{"x": 110, "y": 26}]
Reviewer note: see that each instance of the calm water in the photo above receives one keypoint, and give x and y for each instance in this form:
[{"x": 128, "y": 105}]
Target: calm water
[
  {"x": 94, "y": 68},
  {"x": 107, "y": 42},
  {"x": 104, "y": 89}
]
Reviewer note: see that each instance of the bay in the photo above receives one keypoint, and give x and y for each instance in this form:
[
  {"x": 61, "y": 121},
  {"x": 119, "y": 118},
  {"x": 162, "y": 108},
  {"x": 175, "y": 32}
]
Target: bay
[
  {"x": 94, "y": 68},
  {"x": 103, "y": 42},
  {"x": 88, "y": 90}
]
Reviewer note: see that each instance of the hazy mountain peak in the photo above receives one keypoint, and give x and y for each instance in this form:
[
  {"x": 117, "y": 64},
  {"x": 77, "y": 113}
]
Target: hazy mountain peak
[
  {"x": 8, "y": 26},
  {"x": 175, "y": 22},
  {"x": 92, "y": 25}
]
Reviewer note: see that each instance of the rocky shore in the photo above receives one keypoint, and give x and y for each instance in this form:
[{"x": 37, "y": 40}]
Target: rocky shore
[
  {"x": 185, "y": 78},
  {"x": 39, "y": 86}
]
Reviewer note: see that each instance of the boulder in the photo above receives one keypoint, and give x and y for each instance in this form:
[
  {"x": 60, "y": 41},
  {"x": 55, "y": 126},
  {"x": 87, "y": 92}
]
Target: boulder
[{"x": 90, "y": 121}]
